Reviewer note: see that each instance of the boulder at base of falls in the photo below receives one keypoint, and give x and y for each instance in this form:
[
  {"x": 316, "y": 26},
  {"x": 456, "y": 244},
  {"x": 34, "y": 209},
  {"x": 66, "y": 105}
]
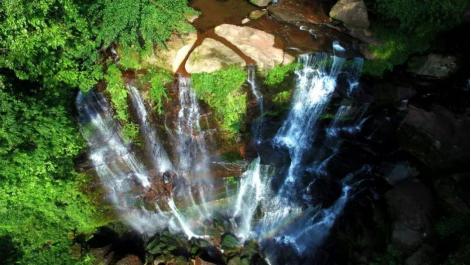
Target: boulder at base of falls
[
  {"x": 410, "y": 204},
  {"x": 211, "y": 56},
  {"x": 437, "y": 137},
  {"x": 175, "y": 52},
  {"x": 433, "y": 65},
  {"x": 254, "y": 43},
  {"x": 352, "y": 13},
  {"x": 260, "y": 3}
]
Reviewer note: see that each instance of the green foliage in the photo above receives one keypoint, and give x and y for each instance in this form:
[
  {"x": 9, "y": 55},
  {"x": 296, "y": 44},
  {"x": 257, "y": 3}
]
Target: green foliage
[
  {"x": 49, "y": 42},
  {"x": 406, "y": 27},
  {"x": 129, "y": 57},
  {"x": 142, "y": 22},
  {"x": 41, "y": 206},
  {"x": 395, "y": 49},
  {"x": 158, "y": 78},
  {"x": 278, "y": 73},
  {"x": 221, "y": 90},
  {"x": 283, "y": 97},
  {"x": 118, "y": 92},
  {"x": 423, "y": 17}
]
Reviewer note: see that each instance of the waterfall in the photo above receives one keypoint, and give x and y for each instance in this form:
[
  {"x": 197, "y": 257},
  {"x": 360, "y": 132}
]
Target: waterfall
[
  {"x": 193, "y": 159},
  {"x": 154, "y": 147},
  {"x": 315, "y": 84},
  {"x": 252, "y": 81},
  {"x": 267, "y": 205},
  {"x": 124, "y": 177}
]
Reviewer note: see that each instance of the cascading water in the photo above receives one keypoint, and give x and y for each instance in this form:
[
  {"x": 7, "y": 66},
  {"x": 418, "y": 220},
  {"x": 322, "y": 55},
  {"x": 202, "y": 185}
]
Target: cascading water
[
  {"x": 182, "y": 187},
  {"x": 252, "y": 81},
  {"x": 120, "y": 171},
  {"x": 159, "y": 155},
  {"x": 314, "y": 87}
]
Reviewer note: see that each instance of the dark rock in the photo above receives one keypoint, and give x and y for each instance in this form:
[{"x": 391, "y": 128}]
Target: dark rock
[
  {"x": 129, "y": 260},
  {"x": 437, "y": 138},
  {"x": 352, "y": 13},
  {"x": 323, "y": 191},
  {"x": 410, "y": 205},
  {"x": 389, "y": 94},
  {"x": 451, "y": 190},
  {"x": 423, "y": 256},
  {"x": 433, "y": 65},
  {"x": 395, "y": 173},
  {"x": 295, "y": 11}
]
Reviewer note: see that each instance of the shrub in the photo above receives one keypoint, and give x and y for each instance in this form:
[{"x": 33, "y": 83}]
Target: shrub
[
  {"x": 221, "y": 90},
  {"x": 41, "y": 206},
  {"x": 158, "y": 78},
  {"x": 278, "y": 73}
]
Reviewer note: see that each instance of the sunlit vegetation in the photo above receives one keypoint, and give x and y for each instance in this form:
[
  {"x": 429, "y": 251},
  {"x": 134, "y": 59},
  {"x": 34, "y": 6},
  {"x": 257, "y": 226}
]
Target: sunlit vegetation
[
  {"x": 158, "y": 79},
  {"x": 48, "y": 49},
  {"x": 41, "y": 206},
  {"x": 222, "y": 91},
  {"x": 277, "y": 74}
]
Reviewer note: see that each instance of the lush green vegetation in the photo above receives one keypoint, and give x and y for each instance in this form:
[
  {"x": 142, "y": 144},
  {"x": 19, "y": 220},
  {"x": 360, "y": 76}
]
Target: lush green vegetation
[
  {"x": 406, "y": 27},
  {"x": 139, "y": 22},
  {"x": 49, "y": 49},
  {"x": 277, "y": 74},
  {"x": 158, "y": 78},
  {"x": 41, "y": 206},
  {"x": 222, "y": 91}
]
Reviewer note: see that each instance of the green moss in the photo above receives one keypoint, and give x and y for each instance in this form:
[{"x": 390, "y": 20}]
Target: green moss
[
  {"x": 221, "y": 90},
  {"x": 278, "y": 73}
]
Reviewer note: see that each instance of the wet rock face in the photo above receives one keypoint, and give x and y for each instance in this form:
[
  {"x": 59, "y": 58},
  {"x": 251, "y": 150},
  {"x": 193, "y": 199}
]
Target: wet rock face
[
  {"x": 352, "y": 13},
  {"x": 211, "y": 56},
  {"x": 410, "y": 204}
]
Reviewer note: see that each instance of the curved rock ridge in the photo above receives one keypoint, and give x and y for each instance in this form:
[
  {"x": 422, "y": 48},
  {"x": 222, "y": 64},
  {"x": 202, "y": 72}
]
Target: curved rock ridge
[
  {"x": 175, "y": 52},
  {"x": 254, "y": 43},
  {"x": 211, "y": 56}
]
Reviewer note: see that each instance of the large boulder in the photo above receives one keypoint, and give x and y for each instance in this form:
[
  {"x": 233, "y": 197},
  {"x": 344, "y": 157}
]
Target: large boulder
[
  {"x": 261, "y": 3},
  {"x": 410, "y": 204},
  {"x": 211, "y": 56},
  {"x": 437, "y": 137},
  {"x": 433, "y": 65},
  {"x": 352, "y": 13},
  {"x": 175, "y": 51},
  {"x": 254, "y": 43}
]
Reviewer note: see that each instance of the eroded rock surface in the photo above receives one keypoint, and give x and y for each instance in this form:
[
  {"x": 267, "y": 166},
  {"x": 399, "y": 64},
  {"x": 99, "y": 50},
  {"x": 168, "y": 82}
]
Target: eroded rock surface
[
  {"x": 175, "y": 52},
  {"x": 254, "y": 43},
  {"x": 211, "y": 56}
]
